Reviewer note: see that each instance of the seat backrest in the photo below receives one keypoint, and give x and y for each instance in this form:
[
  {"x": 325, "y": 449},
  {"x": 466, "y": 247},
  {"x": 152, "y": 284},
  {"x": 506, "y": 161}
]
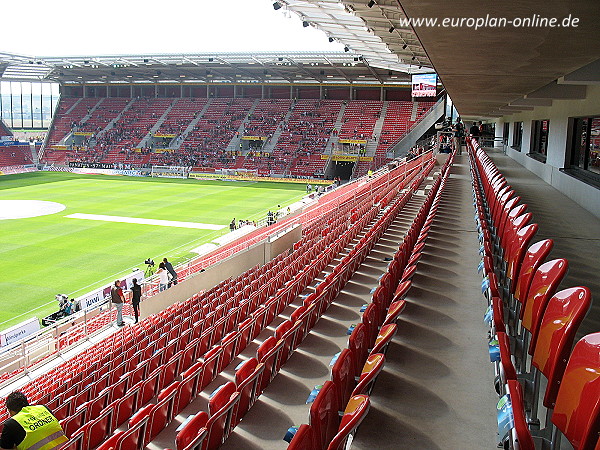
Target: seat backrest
[
  {"x": 269, "y": 353},
  {"x": 149, "y": 387},
  {"x": 160, "y": 416},
  {"x": 190, "y": 382},
  {"x": 370, "y": 371},
  {"x": 385, "y": 336},
  {"x": 246, "y": 380},
  {"x": 543, "y": 286},
  {"x": 577, "y": 409},
  {"x": 221, "y": 407},
  {"x": 565, "y": 311},
  {"x": 98, "y": 429},
  {"x": 357, "y": 342},
  {"x": 534, "y": 257},
  {"x": 212, "y": 359},
  {"x": 370, "y": 320},
  {"x": 520, "y": 433},
  {"x": 193, "y": 433},
  {"x": 304, "y": 439},
  {"x": 520, "y": 243},
  {"x": 394, "y": 311},
  {"x": 342, "y": 375},
  {"x": 130, "y": 439},
  {"x": 324, "y": 416},
  {"x": 355, "y": 412},
  {"x": 125, "y": 406},
  {"x": 74, "y": 421}
]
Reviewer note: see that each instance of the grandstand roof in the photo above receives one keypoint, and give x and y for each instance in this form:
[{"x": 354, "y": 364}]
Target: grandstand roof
[{"x": 262, "y": 67}]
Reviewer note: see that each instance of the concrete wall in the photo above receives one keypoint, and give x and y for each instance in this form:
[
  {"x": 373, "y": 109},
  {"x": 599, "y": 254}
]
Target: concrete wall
[
  {"x": 230, "y": 267},
  {"x": 558, "y": 114}
]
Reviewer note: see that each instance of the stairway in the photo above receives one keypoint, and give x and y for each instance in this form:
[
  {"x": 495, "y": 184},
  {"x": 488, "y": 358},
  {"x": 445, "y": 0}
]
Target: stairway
[
  {"x": 111, "y": 124},
  {"x": 73, "y": 106},
  {"x": 176, "y": 143},
  {"x": 372, "y": 143},
  {"x": 271, "y": 143},
  {"x": 333, "y": 139},
  {"x": 234, "y": 144},
  {"x": 144, "y": 142}
]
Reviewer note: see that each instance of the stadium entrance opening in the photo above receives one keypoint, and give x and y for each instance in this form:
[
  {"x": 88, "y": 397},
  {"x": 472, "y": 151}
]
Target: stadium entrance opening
[
  {"x": 252, "y": 143},
  {"x": 343, "y": 169}
]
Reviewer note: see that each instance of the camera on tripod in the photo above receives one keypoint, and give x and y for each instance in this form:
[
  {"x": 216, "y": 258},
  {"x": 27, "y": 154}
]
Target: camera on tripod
[{"x": 149, "y": 262}]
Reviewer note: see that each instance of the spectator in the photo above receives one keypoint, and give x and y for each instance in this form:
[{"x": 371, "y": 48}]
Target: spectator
[
  {"x": 117, "y": 298},
  {"x": 475, "y": 131},
  {"x": 459, "y": 132},
  {"x": 163, "y": 277},
  {"x": 170, "y": 269},
  {"x": 17, "y": 431},
  {"x": 136, "y": 297}
]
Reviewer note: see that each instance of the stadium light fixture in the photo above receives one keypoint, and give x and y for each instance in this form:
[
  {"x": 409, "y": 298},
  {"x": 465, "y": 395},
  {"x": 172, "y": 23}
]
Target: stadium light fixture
[
  {"x": 276, "y": 6},
  {"x": 371, "y": 3},
  {"x": 391, "y": 30},
  {"x": 331, "y": 39},
  {"x": 346, "y": 49},
  {"x": 413, "y": 58},
  {"x": 305, "y": 23},
  {"x": 404, "y": 47}
]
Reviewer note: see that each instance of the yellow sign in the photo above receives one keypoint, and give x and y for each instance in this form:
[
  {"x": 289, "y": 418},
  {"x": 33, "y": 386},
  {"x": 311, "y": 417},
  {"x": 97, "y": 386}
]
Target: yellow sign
[
  {"x": 59, "y": 147},
  {"x": 163, "y": 150},
  {"x": 254, "y": 138},
  {"x": 366, "y": 158},
  {"x": 164, "y": 135},
  {"x": 344, "y": 158},
  {"x": 83, "y": 133},
  {"x": 352, "y": 141}
]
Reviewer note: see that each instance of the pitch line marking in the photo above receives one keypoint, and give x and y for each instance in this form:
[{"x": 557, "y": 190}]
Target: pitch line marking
[{"x": 161, "y": 223}]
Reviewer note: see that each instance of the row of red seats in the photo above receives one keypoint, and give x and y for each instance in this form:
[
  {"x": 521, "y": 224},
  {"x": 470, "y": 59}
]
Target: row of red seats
[
  {"x": 532, "y": 324},
  {"x": 356, "y": 368}
]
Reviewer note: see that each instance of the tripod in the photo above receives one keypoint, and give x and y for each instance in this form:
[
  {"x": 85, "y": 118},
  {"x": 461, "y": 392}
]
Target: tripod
[{"x": 150, "y": 269}]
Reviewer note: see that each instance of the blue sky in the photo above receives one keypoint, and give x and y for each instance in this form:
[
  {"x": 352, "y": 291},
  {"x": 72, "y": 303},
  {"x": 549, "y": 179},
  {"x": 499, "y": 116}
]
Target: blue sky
[{"x": 68, "y": 27}]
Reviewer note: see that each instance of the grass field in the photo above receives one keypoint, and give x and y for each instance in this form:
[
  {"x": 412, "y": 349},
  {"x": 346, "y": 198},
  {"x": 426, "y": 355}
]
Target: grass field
[{"x": 45, "y": 255}]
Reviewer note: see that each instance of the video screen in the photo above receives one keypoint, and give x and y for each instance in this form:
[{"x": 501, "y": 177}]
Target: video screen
[{"x": 424, "y": 85}]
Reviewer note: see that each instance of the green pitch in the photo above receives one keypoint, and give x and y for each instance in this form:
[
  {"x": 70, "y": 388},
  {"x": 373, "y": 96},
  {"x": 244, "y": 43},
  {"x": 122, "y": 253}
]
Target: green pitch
[{"x": 46, "y": 255}]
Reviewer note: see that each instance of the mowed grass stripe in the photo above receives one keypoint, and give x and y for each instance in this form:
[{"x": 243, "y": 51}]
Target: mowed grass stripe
[{"x": 43, "y": 256}]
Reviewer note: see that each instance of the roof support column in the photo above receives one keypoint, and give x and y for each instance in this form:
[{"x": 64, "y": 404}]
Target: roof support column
[
  {"x": 181, "y": 90},
  {"x": 156, "y": 91},
  {"x": 262, "y": 91},
  {"x": 235, "y": 91},
  {"x": 84, "y": 93},
  {"x": 320, "y": 92},
  {"x": 207, "y": 90},
  {"x": 381, "y": 94},
  {"x": 131, "y": 90},
  {"x": 351, "y": 93},
  {"x": 291, "y": 92}
]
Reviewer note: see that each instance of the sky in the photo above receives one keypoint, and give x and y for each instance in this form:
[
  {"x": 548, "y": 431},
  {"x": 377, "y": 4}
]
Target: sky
[{"x": 77, "y": 28}]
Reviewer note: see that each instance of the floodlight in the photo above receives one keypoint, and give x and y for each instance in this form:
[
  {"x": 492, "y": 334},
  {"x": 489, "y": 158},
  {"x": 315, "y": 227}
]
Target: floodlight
[
  {"x": 346, "y": 49},
  {"x": 371, "y": 3},
  {"x": 331, "y": 39},
  {"x": 305, "y": 23},
  {"x": 391, "y": 30},
  {"x": 404, "y": 47},
  {"x": 276, "y": 6}
]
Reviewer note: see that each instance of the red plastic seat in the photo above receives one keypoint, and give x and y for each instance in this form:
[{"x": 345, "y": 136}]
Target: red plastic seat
[
  {"x": 170, "y": 370},
  {"x": 385, "y": 336},
  {"x": 159, "y": 416},
  {"x": 520, "y": 435},
  {"x": 289, "y": 332},
  {"x": 565, "y": 311},
  {"x": 246, "y": 381},
  {"x": 355, "y": 412},
  {"x": 304, "y": 439},
  {"x": 190, "y": 383},
  {"x": 221, "y": 408},
  {"x": 211, "y": 362},
  {"x": 149, "y": 387},
  {"x": 577, "y": 410},
  {"x": 269, "y": 353},
  {"x": 543, "y": 286},
  {"x": 357, "y": 343},
  {"x": 343, "y": 375},
  {"x": 394, "y": 311},
  {"x": 193, "y": 433},
  {"x": 130, "y": 439},
  {"x": 324, "y": 416},
  {"x": 370, "y": 371},
  {"x": 74, "y": 422},
  {"x": 125, "y": 406},
  {"x": 98, "y": 430},
  {"x": 229, "y": 344}
]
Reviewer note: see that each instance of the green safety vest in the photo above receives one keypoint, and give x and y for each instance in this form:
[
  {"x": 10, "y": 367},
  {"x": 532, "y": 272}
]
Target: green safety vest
[{"x": 42, "y": 430}]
